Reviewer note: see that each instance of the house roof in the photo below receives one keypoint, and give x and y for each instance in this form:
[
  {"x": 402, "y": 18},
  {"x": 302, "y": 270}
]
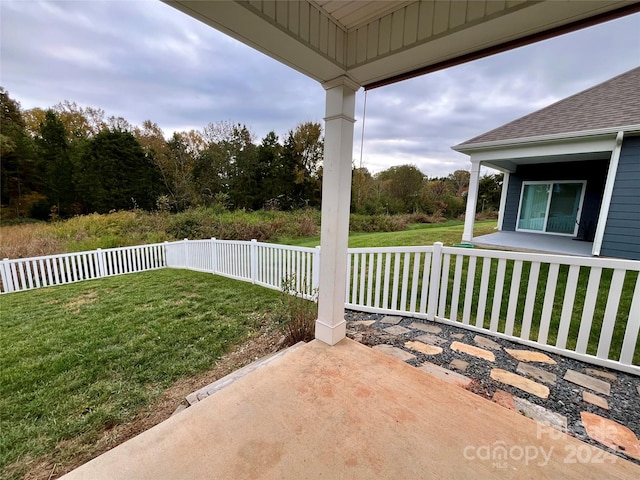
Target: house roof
[{"x": 611, "y": 104}]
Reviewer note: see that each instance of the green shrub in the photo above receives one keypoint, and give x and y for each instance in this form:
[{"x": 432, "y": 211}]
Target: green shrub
[{"x": 295, "y": 316}]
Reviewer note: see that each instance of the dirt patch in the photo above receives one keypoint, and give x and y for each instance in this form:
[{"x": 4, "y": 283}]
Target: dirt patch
[
  {"x": 86, "y": 298},
  {"x": 70, "y": 454}
]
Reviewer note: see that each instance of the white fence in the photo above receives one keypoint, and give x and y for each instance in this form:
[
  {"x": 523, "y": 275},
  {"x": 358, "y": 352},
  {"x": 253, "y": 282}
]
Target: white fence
[
  {"x": 560, "y": 304},
  {"x": 585, "y": 308},
  {"x": 35, "y": 272},
  {"x": 264, "y": 264}
]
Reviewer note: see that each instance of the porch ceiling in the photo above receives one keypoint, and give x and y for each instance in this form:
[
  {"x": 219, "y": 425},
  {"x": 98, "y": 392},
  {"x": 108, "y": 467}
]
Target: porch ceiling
[{"x": 379, "y": 42}]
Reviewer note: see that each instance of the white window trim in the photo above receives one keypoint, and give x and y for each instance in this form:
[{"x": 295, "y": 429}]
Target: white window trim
[{"x": 546, "y": 214}]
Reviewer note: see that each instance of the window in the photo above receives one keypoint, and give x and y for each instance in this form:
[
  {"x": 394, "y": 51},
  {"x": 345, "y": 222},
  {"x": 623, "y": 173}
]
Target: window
[{"x": 551, "y": 207}]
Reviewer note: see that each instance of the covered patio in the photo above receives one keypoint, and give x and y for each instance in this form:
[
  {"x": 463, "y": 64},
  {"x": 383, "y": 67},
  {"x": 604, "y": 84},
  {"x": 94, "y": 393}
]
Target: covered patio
[
  {"x": 534, "y": 242},
  {"x": 333, "y": 408}
]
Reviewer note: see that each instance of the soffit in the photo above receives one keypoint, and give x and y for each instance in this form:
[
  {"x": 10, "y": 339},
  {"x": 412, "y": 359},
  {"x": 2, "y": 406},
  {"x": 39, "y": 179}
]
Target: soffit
[{"x": 377, "y": 42}]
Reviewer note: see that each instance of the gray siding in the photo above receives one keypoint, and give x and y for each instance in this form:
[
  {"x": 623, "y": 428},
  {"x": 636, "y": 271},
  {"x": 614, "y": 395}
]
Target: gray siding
[
  {"x": 622, "y": 232},
  {"x": 594, "y": 172}
]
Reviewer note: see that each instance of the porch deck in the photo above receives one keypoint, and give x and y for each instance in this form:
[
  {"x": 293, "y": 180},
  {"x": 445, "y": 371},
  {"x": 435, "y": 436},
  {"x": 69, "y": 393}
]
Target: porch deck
[
  {"x": 349, "y": 411},
  {"x": 534, "y": 242}
]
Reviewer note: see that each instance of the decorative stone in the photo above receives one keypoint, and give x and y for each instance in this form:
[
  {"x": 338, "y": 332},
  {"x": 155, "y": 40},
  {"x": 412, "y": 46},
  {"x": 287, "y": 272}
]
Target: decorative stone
[
  {"x": 484, "y": 342},
  {"x": 458, "y": 336},
  {"x": 425, "y": 327},
  {"x": 638, "y": 388},
  {"x": 522, "y": 383},
  {"x": 446, "y": 375},
  {"x": 541, "y": 414},
  {"x": 364, "y": 323},
  {"x": 586, "y": 381},
  {"x": 612, "y": 434},
  {"x": 536, "y": 373},
  {"x": 600, "y": 373},
  {"x": 394, "y": 352},
  {"x": 396, "y": 330},
  {"x": 422, "y": 348},
  {"x": 595, "y": 400},
  {"x": 391, "y": 320},
  {"x": 459, "y": 364},
  {"x": 431, "y": 339},
  {"x": 530, "y": 356},
  {"x": 475, "y": 351},
  {"x": 504, "y": 399}
]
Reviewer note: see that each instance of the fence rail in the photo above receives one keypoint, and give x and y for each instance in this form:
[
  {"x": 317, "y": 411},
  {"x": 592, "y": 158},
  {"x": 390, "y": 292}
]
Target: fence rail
[
  {"x": 36, "y": 272},
  {"x": 585, "y": 308}
]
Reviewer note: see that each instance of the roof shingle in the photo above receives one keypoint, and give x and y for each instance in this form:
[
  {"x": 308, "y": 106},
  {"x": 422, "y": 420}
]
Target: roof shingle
[{"x": 614, "y": 103}]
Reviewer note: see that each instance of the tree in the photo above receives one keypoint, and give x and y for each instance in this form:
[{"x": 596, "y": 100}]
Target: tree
[
  {"x": 489, "y": 192},
  {"x": 54, "y": 158},
  {"x": 403, "y": 185},
  {"x": 115, "y": 174},
  {"x": 18, "y": 171}
]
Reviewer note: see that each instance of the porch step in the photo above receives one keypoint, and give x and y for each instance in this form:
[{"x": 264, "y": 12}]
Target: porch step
[{"x": 223, "y": 382}]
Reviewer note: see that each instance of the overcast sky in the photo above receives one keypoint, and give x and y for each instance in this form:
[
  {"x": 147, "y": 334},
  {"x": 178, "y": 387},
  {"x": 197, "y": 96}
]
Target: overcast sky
[{"x": 145, "y": 60}]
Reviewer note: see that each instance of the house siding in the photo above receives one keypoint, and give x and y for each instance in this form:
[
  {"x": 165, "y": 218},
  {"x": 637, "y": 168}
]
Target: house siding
[
  {"x": 594, "y": 172},
  {"x": 622, "y": 232}
]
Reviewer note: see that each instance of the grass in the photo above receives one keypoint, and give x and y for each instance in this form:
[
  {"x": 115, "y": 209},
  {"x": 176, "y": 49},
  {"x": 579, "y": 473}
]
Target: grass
[
  {"x": 417, "y": 234},
  {"x": 78, "y": 359}
]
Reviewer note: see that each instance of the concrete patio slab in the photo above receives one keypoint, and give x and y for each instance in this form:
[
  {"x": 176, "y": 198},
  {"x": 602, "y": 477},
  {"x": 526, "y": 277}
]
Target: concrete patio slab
[
  {"x": 534, "y": 242},
  {"x": 349, "y": 412}
]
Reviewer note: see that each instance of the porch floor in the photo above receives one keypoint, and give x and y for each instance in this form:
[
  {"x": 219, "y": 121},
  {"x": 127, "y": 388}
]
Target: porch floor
[
  {"x": 534, "y": 242},
  {"x": 348, "y": 412}
]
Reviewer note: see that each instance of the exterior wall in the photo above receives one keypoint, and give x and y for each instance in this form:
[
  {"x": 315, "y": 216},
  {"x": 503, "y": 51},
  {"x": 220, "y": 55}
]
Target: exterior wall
[
  {"x": 594, "y": 172},
  {"x": 622, "y": 232}
]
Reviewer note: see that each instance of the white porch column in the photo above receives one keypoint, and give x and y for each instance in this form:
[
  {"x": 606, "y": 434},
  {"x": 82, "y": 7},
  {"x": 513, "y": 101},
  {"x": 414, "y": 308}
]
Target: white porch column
[
  {"x": 503, "y": 199},
  {"x": 336, "y": 201},
  {"x": 472, "y": 200},
  {"x": 606, "y": 195}
]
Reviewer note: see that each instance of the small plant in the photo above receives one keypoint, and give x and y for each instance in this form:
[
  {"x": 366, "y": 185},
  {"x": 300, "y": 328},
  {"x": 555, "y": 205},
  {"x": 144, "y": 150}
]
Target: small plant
[{"x": 295, "y": 315}]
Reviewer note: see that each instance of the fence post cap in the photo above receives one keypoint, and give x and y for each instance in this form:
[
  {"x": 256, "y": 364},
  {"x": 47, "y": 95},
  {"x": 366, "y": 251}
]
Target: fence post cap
[
  {"x": 440, "y": 244},
  {"x": 317, "y": 247},
  {"x": 253, "y": 240},
  {"x": 186, "y": 239}
]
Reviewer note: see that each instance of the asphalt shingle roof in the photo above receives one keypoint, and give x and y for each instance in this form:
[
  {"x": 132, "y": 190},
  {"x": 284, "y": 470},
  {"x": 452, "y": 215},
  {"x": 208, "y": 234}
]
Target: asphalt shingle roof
[{"x": 614, "y": 103}]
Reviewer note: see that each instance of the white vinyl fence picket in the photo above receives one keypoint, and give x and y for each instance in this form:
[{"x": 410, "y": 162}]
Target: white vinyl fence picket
[{"x": 579, "y": 307}]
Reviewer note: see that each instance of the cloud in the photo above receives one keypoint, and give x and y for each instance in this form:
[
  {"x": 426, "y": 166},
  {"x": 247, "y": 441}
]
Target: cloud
[{"x": 145, "y": 60}]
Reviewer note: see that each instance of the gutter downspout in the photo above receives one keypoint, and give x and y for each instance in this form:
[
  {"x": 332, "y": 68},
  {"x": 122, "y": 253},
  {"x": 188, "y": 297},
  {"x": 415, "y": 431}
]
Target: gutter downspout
[{"x": 606, "y": 196}]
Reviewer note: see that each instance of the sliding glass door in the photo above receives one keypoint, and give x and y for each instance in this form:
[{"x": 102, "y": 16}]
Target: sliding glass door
[{"x": 550, "y": 207}]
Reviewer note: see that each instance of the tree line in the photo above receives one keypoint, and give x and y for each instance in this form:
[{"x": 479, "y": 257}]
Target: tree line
[{"x": 68, "y": 160}]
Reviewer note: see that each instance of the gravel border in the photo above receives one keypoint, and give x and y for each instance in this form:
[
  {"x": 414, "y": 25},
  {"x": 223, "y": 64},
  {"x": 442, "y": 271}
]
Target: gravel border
[{"x": 565, "y": 398}]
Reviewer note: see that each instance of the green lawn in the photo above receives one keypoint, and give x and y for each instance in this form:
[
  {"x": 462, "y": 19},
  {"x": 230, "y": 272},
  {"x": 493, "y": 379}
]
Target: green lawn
[
  {"x": 417, "y": 234},
  {"x": 79, "y": 358}
]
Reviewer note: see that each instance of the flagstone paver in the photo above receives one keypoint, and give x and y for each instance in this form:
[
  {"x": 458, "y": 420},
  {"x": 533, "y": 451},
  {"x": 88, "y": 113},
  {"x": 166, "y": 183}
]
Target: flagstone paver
[
  {"x": 475, "y": 351},
  {"x": 459, "y": 364},
  {"x": 458, "y": 336},
  {"x": 536, "y": 373},
  {"x": 391, "y": 320},
  {"x": 638, "y": 388},
  {"x": 586, "y": 381},
  {"x": 484, "y": 342},
  {"x": 595, "y": 400},
  {"x": 611, "y": 434},
  {"x": 426, "y": 327},
  {"x": 530, "y": 356},
  {"x": 424, "y": 348},
  {"x": 394, "y": 352},
  {"x": 397, "y": 330},
  {"x": 522, "y": 383},
  {"x": 431, "y": 339},
  {"x": 365, "y": 323},
  {"x": 444, "y": 374},
  {"x": 540, "y": 414},
  {"x": 504, "y": 399},
  {"x": 600, "y": 373}
]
